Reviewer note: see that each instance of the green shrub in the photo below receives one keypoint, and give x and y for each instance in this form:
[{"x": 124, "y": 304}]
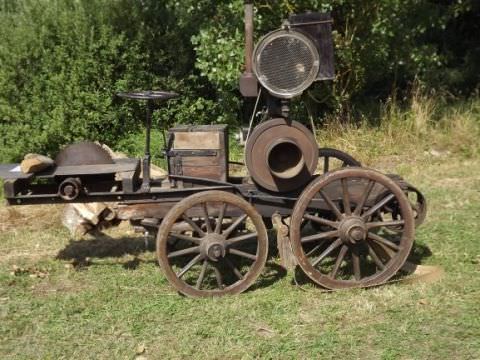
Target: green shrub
[{"x": 62, "y": 61}]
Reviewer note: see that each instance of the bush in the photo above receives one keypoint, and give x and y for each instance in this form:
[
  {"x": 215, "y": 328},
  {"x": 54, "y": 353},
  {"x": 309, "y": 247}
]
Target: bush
[{"x": 62, "y": 61}]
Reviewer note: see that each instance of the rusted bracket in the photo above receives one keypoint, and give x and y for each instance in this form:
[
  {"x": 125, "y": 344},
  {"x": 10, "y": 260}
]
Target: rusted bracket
[{"x": 287, "y": 259}]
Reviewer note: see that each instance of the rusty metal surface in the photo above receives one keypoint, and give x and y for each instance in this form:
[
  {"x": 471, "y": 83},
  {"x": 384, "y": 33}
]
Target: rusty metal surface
[
  {"x": 332, "y": 159},
  {"x": 83, "y": 153},
  {"x": 281, "y": 155},
  {"x": 219, "y": 255},
  {"x": 354, "y": 244}
]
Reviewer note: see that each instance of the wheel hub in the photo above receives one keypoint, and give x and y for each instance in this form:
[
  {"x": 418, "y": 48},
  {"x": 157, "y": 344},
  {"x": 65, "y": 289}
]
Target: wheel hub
[
  {"x": 213, "y": 247},
  {"x": 353, "y": 230}
]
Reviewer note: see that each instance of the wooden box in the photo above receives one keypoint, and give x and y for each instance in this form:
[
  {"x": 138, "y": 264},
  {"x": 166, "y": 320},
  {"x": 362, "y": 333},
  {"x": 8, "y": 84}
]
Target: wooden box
[{"x": 199, "y": 151}]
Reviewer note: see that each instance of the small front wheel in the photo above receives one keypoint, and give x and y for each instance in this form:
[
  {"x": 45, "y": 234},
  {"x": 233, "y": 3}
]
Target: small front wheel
[{"x": 212, "y": 243}]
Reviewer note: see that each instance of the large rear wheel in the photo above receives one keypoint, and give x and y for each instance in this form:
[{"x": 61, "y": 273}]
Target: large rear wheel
[{"x": 352, "y": 246}]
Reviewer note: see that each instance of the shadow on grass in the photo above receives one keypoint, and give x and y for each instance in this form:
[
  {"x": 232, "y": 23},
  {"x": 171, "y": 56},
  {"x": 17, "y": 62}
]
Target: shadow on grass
[
  {"x": 79, "y": 252},
  {"x": 418, "y": 253}
]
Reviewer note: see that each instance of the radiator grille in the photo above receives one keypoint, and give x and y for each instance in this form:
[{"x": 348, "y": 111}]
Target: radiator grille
[{"x": 286, "y": 63}]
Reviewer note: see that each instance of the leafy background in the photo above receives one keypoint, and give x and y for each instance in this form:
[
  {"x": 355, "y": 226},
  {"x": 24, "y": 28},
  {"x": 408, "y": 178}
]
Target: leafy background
[{"x": 62, "y": 61}]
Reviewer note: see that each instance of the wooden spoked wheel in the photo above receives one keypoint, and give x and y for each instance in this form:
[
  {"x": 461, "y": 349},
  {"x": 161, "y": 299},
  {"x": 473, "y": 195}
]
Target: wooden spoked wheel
[
  {"x": 356, "y": 248},
  {"x": 417, "y": 202},
  {"x": 212, "y": 244},
  {"x": 332, "y": 159}
]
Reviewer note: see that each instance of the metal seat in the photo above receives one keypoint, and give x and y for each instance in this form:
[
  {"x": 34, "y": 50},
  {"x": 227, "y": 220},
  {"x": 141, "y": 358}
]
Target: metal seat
[{"x": 149, "y": 95}]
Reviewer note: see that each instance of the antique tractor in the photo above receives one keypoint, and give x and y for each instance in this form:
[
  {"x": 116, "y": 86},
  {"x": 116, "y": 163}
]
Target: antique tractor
[{"x": 345, "y": 226}]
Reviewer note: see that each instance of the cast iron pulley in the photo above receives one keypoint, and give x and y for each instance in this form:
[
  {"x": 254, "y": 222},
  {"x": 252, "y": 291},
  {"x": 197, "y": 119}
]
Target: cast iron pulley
[
  {"x": 281, "y": 155},
  {"x": 70, "y": 189}
]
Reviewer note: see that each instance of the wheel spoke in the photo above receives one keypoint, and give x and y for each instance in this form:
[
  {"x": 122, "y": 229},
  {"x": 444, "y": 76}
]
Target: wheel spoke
[
  {"x": 346, "y": 197},
  {"x": 315, "y": 248},
  {"x": 191, "y": 239},
  {"x": 320, "y": 220},
  {"x": 219, "y": 278},
  {"x": 327, "y": 252},
  {"x": 236, "y": 240},
  {"x": 188, "y": 251},
  {"x": 326, "y": 164},
  {"x": 321, "y": 236},
  {"x": 378, "y": 224},
  {"x": 194, "y": 226},
  {"x": 378, "y": 206},
  {"x": 331, "y": 205},
  {"x": 356, "y": 265},
  {"x": 375, "y": 258},
  {"x": 202, "y": 275},
  {"x": 237, "y": 272},
  {"x": 207, "y": 218},
  {"x": 363, "y": 200},
  {"x": 235, "y": 224},
  {"x": 243, "y": 254},
  {"x": 385, "y": 252},
  {"x": 187, "y": 267},
  {"x": 338, "y": 262},
  {"x": 381, "y": 240},
  {"x": 218, "y": 228}
]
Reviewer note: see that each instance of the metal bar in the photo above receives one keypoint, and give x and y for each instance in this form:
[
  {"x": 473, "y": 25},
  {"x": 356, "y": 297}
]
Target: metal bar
[
  {"x": 147, "y": 159},
  {"x": 248, "y": 36},
  {"x": 311, "y": 23}
]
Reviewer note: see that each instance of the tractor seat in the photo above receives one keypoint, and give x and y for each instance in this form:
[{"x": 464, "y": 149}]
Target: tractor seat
[{"x": 149, "y": 95}]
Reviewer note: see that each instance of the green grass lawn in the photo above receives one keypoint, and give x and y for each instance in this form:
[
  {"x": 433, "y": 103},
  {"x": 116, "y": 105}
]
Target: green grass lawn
[{"x": 118, "y": 305}]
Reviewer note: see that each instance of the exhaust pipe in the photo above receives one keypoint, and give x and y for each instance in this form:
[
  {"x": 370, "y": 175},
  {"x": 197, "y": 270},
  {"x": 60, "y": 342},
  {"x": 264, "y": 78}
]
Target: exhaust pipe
[
  {"x": 248, "y": 81},
  {"x": 285, "y": 159}
]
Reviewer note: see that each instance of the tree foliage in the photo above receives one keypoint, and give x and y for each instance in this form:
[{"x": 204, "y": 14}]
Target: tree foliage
[{"x": 62, "y": 61}]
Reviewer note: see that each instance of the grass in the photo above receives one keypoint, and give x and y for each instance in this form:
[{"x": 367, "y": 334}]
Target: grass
[{"x": 61, "y": 298}]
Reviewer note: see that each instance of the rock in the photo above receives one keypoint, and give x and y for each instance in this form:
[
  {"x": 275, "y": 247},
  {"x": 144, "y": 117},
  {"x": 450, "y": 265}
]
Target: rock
[{"x": 33, "y": 163}]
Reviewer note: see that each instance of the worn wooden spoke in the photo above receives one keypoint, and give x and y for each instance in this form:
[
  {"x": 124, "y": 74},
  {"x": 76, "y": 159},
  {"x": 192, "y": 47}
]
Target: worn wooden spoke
[
  {"x": 239, "y": 239},
  {"x": 346, "y": 197},
  {"x": 207, "y": 218},
  {"x": 315, "y": 248},
  {"x": 187, "y": 267},
  {"x": 243, "y": 254},
  {"x": 237, "y": 272},
  {"x": 338, "y": 262},
  {"x": 375, "y": 258},
  {"x": 235, "y": 224},
  {"x": 378, "y": 206},
  {"x": 357, "y": 273},
  {"x": 191, "y": 239},
  {"x": 321, "y": 221},
  {"x": 379, "y": 239},
  {"x": 363, "y": 200},
  {"x": 321, "y": 236},
  {"x": 331, "y": 205},
  {"x": 377, "y": 224},
  {"x": 202, "y": 275},
  {"x": 219, "y": 278},
  {"x": 378, "y": 247},
  {"x": 327, "y": 252},
  {"x": 193, "y": 225},
  {"x": 221, "y": 215},
  {"x": 188, "y": 251}
]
